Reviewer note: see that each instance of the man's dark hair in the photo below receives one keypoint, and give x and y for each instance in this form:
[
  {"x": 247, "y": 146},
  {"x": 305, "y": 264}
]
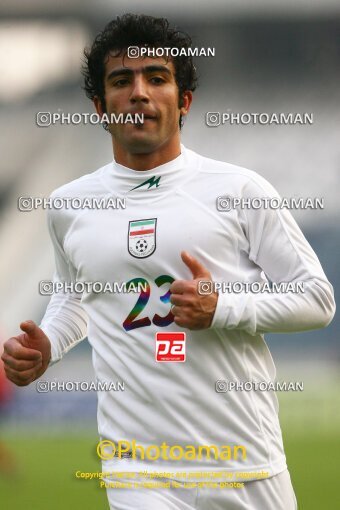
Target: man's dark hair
[{"x": 137, "y": 30}]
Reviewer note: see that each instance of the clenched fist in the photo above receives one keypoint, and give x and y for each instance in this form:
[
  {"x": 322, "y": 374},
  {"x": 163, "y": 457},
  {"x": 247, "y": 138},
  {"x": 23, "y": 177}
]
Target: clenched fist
[
  {"x": 26, "y": 356},
  {"x": 192, "y": 309}
]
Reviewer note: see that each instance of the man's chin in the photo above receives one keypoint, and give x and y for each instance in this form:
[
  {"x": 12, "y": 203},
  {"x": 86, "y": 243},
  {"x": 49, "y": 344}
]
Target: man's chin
[{"x": 141, "y": 144}]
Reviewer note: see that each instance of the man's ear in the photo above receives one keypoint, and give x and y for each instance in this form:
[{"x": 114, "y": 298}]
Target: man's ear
[
  {"x": 98, "y": 106},
  {"x": 185, "y": 102}
]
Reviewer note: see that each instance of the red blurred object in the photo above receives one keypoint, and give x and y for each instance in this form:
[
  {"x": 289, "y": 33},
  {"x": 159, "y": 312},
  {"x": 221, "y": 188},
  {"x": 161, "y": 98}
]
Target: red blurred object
[{"x": 6, "y": 388}]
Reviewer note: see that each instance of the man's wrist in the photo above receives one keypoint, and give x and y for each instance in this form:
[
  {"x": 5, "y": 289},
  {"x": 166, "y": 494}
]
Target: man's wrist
[
  {"x": 235, "y": 311},
  {"x": 220, "y": 316}
]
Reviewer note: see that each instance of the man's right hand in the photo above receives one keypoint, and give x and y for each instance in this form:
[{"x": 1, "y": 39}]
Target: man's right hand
[{"x": 26, "y": 356}]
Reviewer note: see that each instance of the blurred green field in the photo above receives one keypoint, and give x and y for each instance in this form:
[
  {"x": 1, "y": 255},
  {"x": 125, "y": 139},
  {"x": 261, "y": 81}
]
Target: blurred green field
[
  {"x": 313, "y": 461},
  {"x": 46, "y": 472},
  {"x": 45, "y": 478}
]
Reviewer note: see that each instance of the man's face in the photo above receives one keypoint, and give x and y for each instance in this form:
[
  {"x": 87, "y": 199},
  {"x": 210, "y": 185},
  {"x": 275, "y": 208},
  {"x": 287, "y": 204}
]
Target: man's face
[{"x": 143, "y": 85}]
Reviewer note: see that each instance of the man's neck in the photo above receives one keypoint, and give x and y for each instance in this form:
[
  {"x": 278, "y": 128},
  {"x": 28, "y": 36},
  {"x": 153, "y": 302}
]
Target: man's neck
[{"x": 146, "y": 161}]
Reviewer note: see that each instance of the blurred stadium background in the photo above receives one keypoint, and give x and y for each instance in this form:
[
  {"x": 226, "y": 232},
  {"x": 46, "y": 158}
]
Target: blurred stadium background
[{"x": 270, "y": 57}]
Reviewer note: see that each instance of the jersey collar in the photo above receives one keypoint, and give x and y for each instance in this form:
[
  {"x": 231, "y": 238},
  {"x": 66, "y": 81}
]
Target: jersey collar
[{"x": 147, "y": 184}]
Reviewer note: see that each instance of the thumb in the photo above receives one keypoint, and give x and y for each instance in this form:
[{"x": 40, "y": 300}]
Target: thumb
[
  {"x": 30, "y": 328},
  {"x": 35, "y": 335},
  {"x": 196, "y": 268}
]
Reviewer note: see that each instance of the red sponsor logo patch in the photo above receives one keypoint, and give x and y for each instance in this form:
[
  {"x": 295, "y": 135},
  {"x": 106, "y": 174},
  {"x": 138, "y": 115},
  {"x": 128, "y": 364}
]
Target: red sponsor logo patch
[{"x": 170, "y": 346}]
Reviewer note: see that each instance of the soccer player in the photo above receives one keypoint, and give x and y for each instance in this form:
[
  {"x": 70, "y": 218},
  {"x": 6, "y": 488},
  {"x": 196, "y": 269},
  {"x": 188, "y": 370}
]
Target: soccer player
[{"x": 171, "y": 236}]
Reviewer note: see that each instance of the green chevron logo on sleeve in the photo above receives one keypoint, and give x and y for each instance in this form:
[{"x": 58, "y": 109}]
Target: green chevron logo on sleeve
[{"x": 153, "y": 181}]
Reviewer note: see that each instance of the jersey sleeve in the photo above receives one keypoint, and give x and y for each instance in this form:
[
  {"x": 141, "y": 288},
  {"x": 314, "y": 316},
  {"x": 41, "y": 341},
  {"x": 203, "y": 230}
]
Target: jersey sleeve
[
  {"x": 278, "y": 247},
  {"x": 65, "y": 320}
]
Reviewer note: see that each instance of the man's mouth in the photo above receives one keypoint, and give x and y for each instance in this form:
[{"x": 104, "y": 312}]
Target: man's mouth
[
  {"x": 139, "y": 118},
  {"x": 144, "y": 115},
  {"x": 147, "y": 116},
  {"x": 147, "y": 120}
]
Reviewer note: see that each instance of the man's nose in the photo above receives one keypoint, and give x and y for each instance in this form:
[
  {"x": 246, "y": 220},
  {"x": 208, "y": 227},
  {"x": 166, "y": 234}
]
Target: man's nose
[{"x": 140, "y": 90}]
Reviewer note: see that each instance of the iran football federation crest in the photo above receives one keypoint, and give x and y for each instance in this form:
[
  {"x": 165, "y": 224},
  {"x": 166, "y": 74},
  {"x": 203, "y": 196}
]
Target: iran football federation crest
[{"x": 142, "y": 237}]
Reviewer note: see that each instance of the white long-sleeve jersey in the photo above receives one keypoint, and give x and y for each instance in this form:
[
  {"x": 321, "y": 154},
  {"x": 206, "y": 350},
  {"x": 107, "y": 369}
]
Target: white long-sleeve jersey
[{"x": 169, "y": 209}]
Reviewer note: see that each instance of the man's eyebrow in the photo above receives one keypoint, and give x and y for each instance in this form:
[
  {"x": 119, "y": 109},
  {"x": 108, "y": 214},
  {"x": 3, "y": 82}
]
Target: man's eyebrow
[{"x": 126, "y": 71}]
